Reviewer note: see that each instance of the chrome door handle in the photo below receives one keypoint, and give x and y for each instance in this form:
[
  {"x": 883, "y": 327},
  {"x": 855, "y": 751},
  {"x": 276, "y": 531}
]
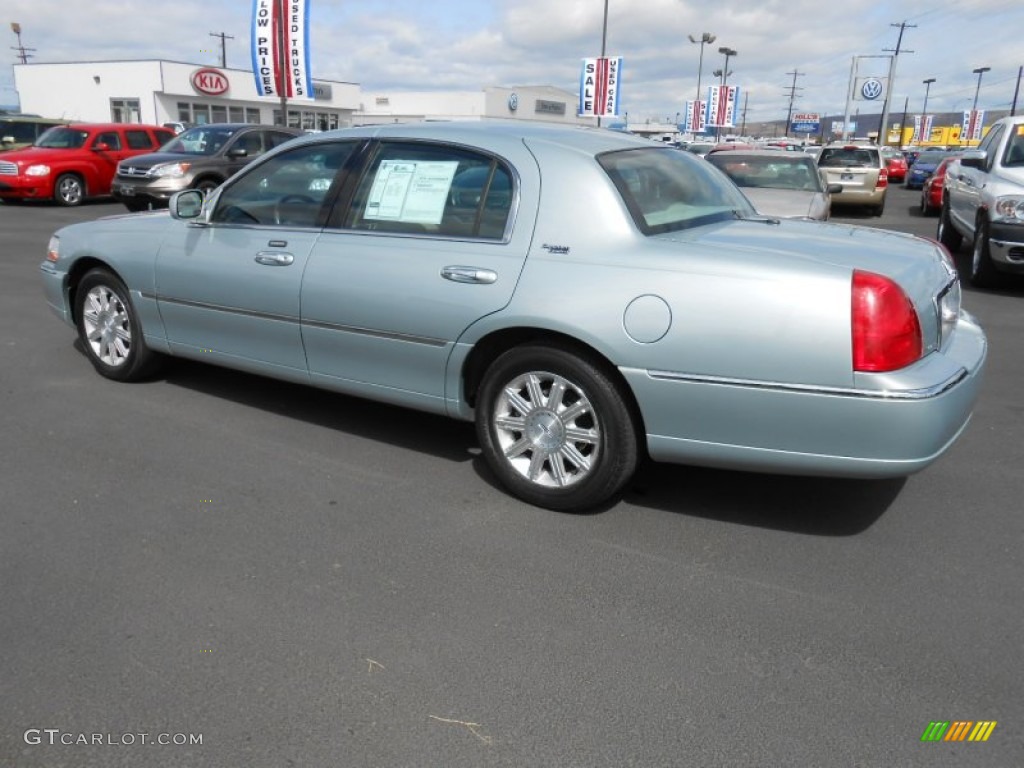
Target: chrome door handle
[
  {"x": 274, "y": 259},
  {"x": 469, "y": 275}
]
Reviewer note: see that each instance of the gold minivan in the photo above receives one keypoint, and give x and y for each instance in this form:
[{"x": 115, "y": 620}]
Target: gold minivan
[{"x": 17, "y": 131}]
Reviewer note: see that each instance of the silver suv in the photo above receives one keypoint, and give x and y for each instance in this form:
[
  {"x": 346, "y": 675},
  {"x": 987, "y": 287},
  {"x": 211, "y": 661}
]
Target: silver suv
[{"x": 200, "y": 158}]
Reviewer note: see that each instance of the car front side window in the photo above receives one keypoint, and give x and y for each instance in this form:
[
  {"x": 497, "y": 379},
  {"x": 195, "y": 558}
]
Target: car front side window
[{"x": 289, "y": 189}]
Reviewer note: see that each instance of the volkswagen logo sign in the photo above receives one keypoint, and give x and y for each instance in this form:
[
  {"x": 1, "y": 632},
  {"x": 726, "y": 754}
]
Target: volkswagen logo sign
[
  {"x": 513, "y": 102},
  {"x": 871, "y": 89}
]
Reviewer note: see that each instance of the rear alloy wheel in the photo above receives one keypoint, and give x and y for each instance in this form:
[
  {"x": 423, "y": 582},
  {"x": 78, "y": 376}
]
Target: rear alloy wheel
[
  {"x": 983, "y": 271},
  {"x": 69, "y": 190},
  {"x": 555, "y": 428},
  {"x": 946, "y": 235},
  {"x": 109, "y": 328}
]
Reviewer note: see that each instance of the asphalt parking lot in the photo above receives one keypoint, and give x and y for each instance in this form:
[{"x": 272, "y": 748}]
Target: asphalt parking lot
[{"x": 305, "y": 579}]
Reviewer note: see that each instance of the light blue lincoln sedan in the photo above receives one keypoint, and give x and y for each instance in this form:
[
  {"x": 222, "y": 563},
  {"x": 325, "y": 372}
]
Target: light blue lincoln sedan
[{"x": 586, "y": 297}]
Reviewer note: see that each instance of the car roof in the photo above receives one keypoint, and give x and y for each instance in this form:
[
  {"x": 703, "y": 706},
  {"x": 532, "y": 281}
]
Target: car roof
[{"x": 496, "y": 133}]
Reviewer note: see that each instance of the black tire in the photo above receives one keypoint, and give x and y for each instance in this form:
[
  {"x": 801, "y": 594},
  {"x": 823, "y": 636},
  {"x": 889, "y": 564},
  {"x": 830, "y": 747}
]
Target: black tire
[
  {"x": 206, "y": 186},
  {"x": 945, "y": 233},
  {"x": 878, "y": 210},
  {"x": 69, "y": 190},
  {"x": 983, "y": 271},
  {"x": 526, "y": 438},
  {"x": 109, "y": 328}
]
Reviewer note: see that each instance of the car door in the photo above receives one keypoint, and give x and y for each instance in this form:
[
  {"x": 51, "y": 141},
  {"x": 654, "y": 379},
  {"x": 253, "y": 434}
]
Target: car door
[
  {"x": 968, "y": 182},
  {"x": 433, "y": 239},
  {"x": 228, "y": 286},
  {"x": 106, "y": 150}
]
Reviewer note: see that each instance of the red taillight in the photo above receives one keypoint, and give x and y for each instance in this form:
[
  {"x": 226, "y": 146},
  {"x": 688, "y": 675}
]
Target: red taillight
[
  {"x": 883, "y": 178},
  {"x": 886, "y": 331}
]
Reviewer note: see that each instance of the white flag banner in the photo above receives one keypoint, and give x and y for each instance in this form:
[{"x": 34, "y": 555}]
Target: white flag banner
[
  {"x": 599, "y": 87},
  {"x": 723, "y": 106},
  {"x": 280, "y": 48}
]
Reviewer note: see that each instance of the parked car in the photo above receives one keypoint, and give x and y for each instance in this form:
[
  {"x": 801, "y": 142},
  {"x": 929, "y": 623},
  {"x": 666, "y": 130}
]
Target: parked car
[
  {"x": 177, "y": 126},
  {"x": 585, "y": 296},
  {"x": 70, "y": 163},
  {"x": 931, "y": 190},
  {"x": 923, "y": 167},
  {"x": 895, "y": 164},
  {"x": 700, "y": 148},
  {"x": 860, "y": 171},
  {"x": 729, "y": 146},
  {"x": 778, "y": 183},
  {"x": 983, "y": 201},
  {"x": 200, "y": 158},
  {"x": 19, "y": 131}
]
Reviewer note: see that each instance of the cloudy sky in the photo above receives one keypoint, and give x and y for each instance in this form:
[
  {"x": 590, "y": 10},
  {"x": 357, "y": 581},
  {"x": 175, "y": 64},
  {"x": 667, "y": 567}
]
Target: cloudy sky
[{"x": 470, "y": 44}]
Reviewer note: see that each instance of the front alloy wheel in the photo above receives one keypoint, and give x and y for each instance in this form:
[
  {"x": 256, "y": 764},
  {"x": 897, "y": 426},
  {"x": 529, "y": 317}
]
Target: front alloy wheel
[
  {"x": 983, "y": 271},
  {"x": 69, "y": 190},
  {"x": 555, "y": 428},
  {"x": 109, "y": 330}
]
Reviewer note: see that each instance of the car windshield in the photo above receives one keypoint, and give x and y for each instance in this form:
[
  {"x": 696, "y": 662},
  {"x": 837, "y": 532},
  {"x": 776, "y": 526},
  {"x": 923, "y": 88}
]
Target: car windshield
[
  {"x": 202, "y": 140},
  {"x": 666, "y": 190},
  {"x": 63, "y": 138},
  {"x": 775, "y": 172},
  {"x": 847, "y": 157}
]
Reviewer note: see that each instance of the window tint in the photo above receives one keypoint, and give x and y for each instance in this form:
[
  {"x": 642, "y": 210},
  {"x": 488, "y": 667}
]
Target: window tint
[
  {"x": 138, "y": 139},
  {"x": 667, "y": 190},
  {"x": 251, "y": 143},
  {"x": 277, "y": 138},
  {"x": 110, "y": 138},
  {"x": 436, "y": 190},
  {"x": 287, "y": 190},
  {"x": 848, "y": 157}
]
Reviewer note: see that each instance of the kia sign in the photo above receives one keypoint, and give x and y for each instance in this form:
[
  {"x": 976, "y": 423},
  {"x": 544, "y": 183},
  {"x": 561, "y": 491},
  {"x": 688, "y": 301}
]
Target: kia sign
[{"x": 210, "y": 81}]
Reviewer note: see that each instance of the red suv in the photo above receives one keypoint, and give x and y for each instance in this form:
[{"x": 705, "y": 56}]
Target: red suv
[{"x": 71, "y": 162}]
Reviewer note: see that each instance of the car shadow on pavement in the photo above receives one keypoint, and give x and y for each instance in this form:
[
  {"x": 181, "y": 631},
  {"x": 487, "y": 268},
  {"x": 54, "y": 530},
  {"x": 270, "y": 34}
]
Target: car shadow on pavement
[
  {"x": 422, "y": 432},
  {"x": 816, "y": 506}
]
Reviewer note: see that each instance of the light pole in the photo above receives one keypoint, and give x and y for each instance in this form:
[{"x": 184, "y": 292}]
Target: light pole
[
  {"x": 979, "y": 72},
  {"x": 706, "y": 37},
  {"x": 927, "y": 88}
]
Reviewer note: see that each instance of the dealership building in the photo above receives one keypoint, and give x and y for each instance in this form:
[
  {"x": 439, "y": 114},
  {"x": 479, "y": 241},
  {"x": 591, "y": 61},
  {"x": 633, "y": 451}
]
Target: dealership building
[{"x": 158, "y": 91}]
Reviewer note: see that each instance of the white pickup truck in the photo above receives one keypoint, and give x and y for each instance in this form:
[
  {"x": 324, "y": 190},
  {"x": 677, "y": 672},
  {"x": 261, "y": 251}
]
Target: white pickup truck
[{"x": 983, "y": 201}]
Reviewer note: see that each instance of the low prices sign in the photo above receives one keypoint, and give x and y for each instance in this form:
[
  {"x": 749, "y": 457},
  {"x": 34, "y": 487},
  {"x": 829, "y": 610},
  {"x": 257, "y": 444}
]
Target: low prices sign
[
  {"x": 599, "y": 87},
  {"x": 806, "y": 122},
  {"x": 280, "y": 48}
]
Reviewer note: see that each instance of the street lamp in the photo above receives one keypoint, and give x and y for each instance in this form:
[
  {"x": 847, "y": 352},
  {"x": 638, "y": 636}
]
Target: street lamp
[
  {"x": 706, "y": 37},
  {"x": 979, "y": 72},
  {"x": 927, "y": 88}
]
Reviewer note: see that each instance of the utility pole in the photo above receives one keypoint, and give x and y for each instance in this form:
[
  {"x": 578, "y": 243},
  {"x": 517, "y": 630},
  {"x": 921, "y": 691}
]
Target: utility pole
[
  {"x": 883, "y": 130},
  {"x": 1016, "y": 92},
  {"x": 223, "y": 47},
  {"x": 23, "y": 52},
  {"x": 792, "y": 95}
]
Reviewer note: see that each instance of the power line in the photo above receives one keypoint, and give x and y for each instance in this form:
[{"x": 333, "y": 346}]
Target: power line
[
  {"x": 792, "y": 95},
  {"x": 23, "y": 52},
  {"x": 883, "y": 132}
]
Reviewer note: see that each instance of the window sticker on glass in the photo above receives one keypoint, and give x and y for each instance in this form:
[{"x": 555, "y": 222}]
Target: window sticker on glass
[{"x": 410, "y": 191}]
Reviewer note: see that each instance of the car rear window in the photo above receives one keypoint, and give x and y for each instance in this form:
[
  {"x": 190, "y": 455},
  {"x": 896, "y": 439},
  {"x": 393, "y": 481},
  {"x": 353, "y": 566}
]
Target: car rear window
[
  {"x": 666, "y": 190},
  {"x": 848, "y": 157}
]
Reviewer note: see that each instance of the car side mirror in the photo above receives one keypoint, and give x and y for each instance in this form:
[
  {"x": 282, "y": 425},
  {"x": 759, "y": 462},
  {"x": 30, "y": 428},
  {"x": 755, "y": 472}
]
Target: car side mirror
[
  {"x": 187, "y": 204},
  {"x": 236, "y": 152},
  {"x": 101, "y": 147},
  {"x": 973, "y": 158}
]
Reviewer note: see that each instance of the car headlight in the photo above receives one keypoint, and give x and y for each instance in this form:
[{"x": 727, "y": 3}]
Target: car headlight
[
  {"x": 1009, "y": 209},
  {"x": 37, "y": 170},
  {"x": 172, "y": 170},
  {"x": 53, "y": 248}
]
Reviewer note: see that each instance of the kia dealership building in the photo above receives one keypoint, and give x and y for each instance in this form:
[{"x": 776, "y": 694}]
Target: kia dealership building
[{"x": 156, "y": 91}]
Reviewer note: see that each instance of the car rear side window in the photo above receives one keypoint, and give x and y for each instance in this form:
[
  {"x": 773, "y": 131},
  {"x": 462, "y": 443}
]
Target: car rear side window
[
  {"x": 110, "y": 138},
  {"x": 138, "y": 139},
  {"x": 667, "y": 190},
  {"x": 433, "y": 190}
]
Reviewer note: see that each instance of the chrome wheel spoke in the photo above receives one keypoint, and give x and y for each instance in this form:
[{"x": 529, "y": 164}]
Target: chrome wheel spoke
[
  {"x": 510, "y": 423},
  {"x": 574, "y": 457},
  {"x": 558, "y": 470},
  {"x": 534, "y": 388},
  {"x": 578, "y": 435},
  {"x": 536, "y": 465},
  {"x": 517, "y": 402},
  {"x": 518, "y": 448},
  {"x": 574, "y": 411}
]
